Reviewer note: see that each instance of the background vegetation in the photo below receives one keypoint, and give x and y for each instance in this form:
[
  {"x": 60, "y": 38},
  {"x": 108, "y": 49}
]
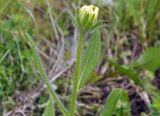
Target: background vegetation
[{"x": 129, "y": 57}]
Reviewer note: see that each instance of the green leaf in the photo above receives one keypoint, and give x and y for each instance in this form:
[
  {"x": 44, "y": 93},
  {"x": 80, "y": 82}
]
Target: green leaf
[
  {"x": 123, "y": 107},
  {"x": 149, "y": 60},
  {"x": 111, "y": 103},
  {"x": 90, "y": 58},
  {"x": 128, "y": 71},
  {"x": 38, "y": 62},
  {"x": 49, "y": 108}
]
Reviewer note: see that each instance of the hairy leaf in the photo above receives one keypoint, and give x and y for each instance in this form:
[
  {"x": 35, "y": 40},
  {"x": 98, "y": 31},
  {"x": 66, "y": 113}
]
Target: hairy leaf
[
  {"x": 128, "y": 71},
  {"x": 149, "y": 60},
  {"x": 90, "y": 57},
  {"x": 49, "y": 109},
  {"x": 123, "y": 107},
  {"x": 111, "y": 103}
]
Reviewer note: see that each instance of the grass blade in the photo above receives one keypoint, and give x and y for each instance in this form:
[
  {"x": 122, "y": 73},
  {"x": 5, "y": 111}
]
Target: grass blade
[{"x": 3, "y": 57}]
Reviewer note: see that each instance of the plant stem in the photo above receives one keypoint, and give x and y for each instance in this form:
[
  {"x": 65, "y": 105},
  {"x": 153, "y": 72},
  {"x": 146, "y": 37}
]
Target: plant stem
[
  {"x": 76, "y": 78},
  {"x": 44, "y": 76}
]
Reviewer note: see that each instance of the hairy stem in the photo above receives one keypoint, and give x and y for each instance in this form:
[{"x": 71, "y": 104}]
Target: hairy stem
[{"x": 76, "y": 78}]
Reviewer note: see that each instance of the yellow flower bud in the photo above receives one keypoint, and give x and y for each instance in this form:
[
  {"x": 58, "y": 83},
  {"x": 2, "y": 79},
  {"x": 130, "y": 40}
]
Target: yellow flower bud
[{"x": 87, "y": 17}]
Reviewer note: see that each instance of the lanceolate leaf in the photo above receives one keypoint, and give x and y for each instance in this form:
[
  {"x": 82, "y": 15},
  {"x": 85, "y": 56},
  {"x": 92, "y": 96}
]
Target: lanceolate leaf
[
  {"x": 128, "y": 71},
  {"x": 49, "y": 108},
  {"x": 149, "y": 60},
  {"x": 111, "y": 103},
  {"x": 90, "y": 57}
]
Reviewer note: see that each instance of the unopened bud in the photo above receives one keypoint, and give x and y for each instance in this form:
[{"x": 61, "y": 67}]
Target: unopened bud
[{"x": 87, "y": 17}]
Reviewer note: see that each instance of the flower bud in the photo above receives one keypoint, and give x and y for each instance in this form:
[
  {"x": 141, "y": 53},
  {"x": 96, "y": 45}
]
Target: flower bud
[{"x": 87, "y": 17}]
